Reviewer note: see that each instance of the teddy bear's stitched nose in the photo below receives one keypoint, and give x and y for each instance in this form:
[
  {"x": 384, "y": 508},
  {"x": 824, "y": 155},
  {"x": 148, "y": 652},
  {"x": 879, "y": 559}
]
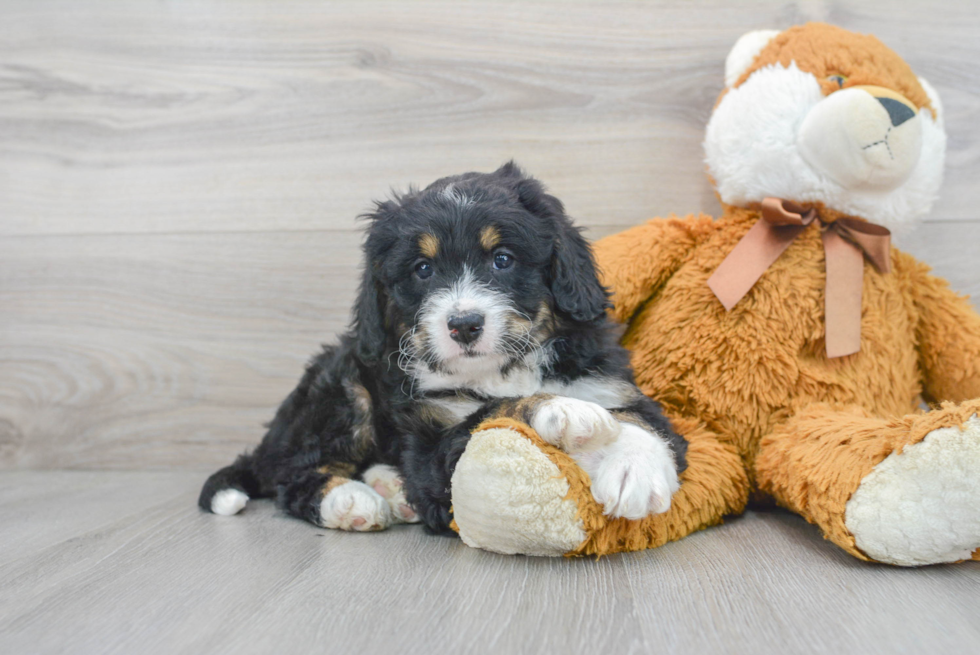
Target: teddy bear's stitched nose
[{"x": 898, "y": 112}]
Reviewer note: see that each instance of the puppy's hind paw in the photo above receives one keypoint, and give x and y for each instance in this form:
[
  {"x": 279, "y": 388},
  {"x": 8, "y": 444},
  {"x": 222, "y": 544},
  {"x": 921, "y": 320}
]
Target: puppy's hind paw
[
  {"x": 354, "y": 506},
  {"x": 385, "y": 480},
  {"x": 574, "y": 425}
]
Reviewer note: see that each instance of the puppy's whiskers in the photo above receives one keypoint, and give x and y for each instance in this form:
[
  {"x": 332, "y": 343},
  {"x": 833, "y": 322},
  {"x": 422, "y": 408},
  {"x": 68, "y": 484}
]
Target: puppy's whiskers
[
  {"x": 409, "y": 358},
  {"x": 519, "y": 339}
]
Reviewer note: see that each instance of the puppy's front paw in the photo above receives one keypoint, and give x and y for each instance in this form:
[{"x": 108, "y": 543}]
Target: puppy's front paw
[
  {"x": 354, "y": 506},
  {"x": 636, "y": 476},
  {"x": 574, "y": 425},
  {"x": 385, "y": 480}
]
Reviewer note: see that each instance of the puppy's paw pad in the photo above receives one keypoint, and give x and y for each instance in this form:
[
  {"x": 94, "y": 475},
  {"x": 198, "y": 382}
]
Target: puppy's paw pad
[
  {"x": 385, "y": 480},
  {"x": 354, "y": 506},
  {"x": 228, "y": 502},
  {"x": 575, "y": 425}
]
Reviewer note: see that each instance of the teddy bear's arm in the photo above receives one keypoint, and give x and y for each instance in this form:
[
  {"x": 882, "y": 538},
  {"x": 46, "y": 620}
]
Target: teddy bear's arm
[
  {"x": 948, "y": 333},
  {"x": 635, "y": 263}
]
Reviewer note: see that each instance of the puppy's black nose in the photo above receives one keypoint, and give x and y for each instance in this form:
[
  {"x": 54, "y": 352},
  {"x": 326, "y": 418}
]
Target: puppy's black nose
[{"x": 466, "y": 328}]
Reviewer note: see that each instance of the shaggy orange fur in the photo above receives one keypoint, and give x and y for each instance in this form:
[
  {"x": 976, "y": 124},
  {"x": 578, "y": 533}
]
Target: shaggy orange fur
[
  {"x": 743, "y": 372},
  {"x": 763, "y": 408},
  {"x": 713, "y": 485},
  {"x": 766, "y": 412},
  {"x": 814, "y": 462},
  {"x": 826, "y": 50},
  {"x": 807, "y": 428}
]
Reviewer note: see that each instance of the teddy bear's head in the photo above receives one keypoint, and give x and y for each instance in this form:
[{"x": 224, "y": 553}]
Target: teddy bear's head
[{"x": 818, "y": 114}]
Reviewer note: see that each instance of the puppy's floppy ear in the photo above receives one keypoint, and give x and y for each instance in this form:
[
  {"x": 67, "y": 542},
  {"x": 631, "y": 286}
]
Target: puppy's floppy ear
[
  {"x": 574, "y": 280},
  {"x": 369, "y": 308},
  {"x": 369, "y": 327}
]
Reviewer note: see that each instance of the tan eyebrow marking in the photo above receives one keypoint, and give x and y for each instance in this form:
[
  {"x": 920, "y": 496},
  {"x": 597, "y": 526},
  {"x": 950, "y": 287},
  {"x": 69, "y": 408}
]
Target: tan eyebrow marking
[
  {"x": 489, "y": 237},
  {"x": 429, "y": 245}
]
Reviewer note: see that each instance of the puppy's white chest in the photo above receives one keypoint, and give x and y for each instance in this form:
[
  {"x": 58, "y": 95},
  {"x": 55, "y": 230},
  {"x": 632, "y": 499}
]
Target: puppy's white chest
[
  {"x": 488, "y": 379},
  {"x": 522, "y": 382},
  {"x": 459, "y": 407},
  {"x": 605, "y": 392}
]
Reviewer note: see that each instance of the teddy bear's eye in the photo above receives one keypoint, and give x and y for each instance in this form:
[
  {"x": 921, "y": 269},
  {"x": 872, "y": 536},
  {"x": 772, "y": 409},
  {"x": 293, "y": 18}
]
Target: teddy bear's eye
[{"x": 839, "y": 79}]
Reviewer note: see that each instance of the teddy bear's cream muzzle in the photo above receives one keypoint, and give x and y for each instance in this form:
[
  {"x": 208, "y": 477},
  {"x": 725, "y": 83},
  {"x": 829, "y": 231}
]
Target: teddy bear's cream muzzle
[{"x": 862, "y": 137}]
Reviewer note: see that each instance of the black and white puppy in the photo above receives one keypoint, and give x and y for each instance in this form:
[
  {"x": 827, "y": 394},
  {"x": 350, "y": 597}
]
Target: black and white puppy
[{"x": 479, "y": 299}]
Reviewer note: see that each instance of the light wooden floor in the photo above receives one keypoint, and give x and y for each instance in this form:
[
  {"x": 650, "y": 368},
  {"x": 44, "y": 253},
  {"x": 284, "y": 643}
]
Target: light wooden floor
[
  {"x": 178, "y": 187},
  {"x": 123, "y": 563}
]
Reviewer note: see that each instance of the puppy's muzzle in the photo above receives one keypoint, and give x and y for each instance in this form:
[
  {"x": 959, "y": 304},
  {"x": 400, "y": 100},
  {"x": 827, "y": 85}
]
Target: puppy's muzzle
[{"x": 466, "y": 328}]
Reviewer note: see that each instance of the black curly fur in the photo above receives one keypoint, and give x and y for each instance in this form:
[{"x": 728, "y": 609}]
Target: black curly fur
[{"x": 312, "y": 436}]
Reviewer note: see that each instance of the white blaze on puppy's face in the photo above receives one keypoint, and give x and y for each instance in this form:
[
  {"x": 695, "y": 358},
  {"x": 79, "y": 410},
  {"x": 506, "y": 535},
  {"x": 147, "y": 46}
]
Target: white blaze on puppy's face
[{"x": 467, "y": 296}]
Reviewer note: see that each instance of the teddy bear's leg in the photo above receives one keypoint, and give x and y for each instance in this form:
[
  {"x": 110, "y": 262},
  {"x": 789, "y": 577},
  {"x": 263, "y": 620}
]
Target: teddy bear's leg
[
  {"x": 714, "y": 485},
  {"x": 515, "y": 493},
  {"x": 903, "y": 491}
]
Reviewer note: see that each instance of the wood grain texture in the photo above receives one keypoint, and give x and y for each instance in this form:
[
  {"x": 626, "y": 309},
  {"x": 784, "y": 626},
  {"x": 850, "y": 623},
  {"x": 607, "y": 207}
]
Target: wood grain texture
[
  {"x": 135, "y": 351},
  {"x": 145, "y": 571},
  {"x": 178, "y": 187},
  {"x": 160, "y": 351},
  {"x": 170, "y": 351},
  {"x": 178, "y": 181},
  {"x": 230, "y": 116}
]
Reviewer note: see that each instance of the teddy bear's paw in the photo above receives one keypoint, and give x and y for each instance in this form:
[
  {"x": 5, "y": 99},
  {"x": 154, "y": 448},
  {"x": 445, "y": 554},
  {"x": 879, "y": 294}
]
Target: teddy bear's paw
[
  {"x": 922, "y": 505},
  {"x": 508, "y": 496},
  {"x": 354, "y": 506},
  {"x": 574, "y": 425},
  {"x": 634, "y": 477},
  {"x": 385, "y": 480}
]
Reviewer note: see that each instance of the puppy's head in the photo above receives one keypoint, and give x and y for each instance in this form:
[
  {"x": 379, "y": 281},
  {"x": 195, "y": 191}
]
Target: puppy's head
[{"x": 475, "y": 270}]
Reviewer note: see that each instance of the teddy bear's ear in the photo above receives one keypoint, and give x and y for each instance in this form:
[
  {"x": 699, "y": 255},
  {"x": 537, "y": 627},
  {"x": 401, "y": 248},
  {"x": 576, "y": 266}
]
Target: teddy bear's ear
[{"x": 744, "y": 53}]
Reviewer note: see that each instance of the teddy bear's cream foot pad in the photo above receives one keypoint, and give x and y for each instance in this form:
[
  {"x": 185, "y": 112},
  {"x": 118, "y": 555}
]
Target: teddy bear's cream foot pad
[
  {"x": 517, "y": 497},
  {"x": 922, "y": 506}
]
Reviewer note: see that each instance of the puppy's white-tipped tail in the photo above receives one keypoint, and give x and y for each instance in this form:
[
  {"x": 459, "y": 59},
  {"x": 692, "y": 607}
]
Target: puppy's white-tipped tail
[{"x": 228, "y": 502}]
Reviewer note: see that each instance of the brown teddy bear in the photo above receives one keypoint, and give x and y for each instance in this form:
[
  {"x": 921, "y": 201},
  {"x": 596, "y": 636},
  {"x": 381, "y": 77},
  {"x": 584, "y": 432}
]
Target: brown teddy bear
[{"x": 787, "y": 340}]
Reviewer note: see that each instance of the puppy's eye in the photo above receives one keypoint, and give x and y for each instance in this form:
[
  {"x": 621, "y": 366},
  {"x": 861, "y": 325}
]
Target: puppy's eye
[
  {"x": 837, "y": 79},
  {"x": 502, "y": 260},
  {"x": 424, "y": 270}
]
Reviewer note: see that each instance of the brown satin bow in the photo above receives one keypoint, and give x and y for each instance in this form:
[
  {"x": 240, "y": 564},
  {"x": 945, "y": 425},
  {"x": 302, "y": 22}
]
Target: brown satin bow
[{"x": 845, "y": 242}]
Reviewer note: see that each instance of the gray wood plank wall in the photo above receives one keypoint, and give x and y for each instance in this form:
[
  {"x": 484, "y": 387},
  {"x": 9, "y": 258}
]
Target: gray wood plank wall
[{"x": 179, "y": 181}]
